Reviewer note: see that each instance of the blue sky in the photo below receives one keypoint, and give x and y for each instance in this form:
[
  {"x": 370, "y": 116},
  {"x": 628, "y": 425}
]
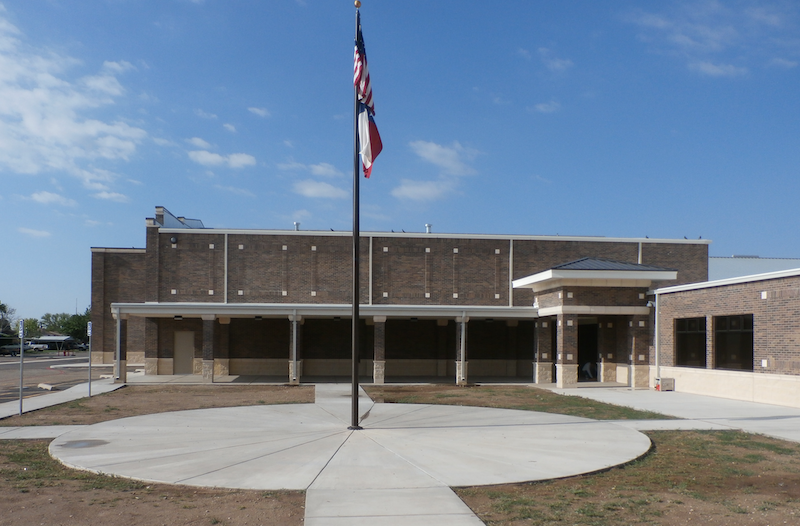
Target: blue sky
[{"x": 619, "y": 119}]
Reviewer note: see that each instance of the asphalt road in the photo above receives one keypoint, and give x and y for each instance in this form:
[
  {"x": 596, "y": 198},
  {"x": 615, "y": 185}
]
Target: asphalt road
[{"x": 38, "y": 369}]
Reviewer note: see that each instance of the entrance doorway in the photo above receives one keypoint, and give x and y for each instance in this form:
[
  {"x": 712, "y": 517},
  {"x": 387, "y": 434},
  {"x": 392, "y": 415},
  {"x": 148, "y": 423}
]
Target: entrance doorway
[
  {"x": 182, "y": 362},
  {"x": 587, "y": 350}
]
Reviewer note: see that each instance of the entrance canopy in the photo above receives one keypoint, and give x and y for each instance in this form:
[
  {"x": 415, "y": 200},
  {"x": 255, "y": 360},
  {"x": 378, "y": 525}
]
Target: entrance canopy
[
  {"x": 595, "y": 272},
  {"x": 562, "y": 289}
]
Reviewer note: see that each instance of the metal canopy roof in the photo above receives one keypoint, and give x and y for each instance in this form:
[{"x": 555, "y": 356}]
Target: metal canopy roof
[{"x": 605, "y": 264}]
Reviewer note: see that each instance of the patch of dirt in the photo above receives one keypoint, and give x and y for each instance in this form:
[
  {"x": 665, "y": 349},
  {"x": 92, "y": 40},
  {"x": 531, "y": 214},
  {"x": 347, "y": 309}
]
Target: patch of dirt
[
  {"x": 135, "y": 400},
  {"x": 524, "y": 397}
]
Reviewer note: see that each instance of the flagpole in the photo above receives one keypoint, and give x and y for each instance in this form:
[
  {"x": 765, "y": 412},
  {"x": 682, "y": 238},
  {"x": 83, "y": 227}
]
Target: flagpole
[{"x": 356, "y": 254}]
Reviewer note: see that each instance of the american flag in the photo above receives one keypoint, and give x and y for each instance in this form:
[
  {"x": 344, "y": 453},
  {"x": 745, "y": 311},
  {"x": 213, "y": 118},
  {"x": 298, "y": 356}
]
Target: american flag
[{"x": 369, "y": 140}]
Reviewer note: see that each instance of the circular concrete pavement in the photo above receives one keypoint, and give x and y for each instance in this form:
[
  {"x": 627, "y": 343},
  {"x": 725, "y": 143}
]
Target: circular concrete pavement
[{"x": 298, "y": 446}]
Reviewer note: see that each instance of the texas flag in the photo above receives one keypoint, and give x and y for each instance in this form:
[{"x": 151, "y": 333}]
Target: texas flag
[{"x": 369, "y": 140}]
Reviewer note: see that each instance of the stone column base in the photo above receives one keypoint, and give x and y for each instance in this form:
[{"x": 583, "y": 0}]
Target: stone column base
[
  {"x": 461, "y": 372},
  {"x": 222, "y": 367},
  {"x": 294, "y": 376},
  {"x": 208, "y": 370},
  {"x": 378, "y": 371},
  {"x": 543, "y": 372},
  {"x": 151, "y": 366},
  {"x": 122, "y": 373},
  {"x": 566, "y": 375}
]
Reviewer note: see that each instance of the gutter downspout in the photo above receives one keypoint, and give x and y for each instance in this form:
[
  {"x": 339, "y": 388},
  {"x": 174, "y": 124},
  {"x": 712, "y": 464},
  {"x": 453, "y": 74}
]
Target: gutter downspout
[
  {"x": 657, "y": 343},
  {"x": 226, "y": 269}
]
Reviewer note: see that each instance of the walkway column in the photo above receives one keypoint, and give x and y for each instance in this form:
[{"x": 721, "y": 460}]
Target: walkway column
[
  {"x": 208, "y": 347},
  {"x": 640, "y": 351},
  {"x": 606, "y": 349},
  {"x": 151, "y": 346},
  {"x": 461, "y": 350},
  {"x": 543, "y": 364},
  {"x": 295, "y": 347},
  {"x": 379, "y": 357},
  {"x": 442, "y": 352},
  {"x": 222, "y": 362},
  {"x": 567, "y": 350},
  {"x": 121, "y": 367}
]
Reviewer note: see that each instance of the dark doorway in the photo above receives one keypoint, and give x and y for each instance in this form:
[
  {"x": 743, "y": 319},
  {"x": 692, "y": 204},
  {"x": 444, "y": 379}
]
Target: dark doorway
[{"x": 587, "y": 351}]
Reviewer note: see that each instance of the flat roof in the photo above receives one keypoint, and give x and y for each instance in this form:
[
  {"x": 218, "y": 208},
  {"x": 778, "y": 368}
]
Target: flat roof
[
  {"x": 432, "y": 235},
  {"x": 730, "y": 281}
]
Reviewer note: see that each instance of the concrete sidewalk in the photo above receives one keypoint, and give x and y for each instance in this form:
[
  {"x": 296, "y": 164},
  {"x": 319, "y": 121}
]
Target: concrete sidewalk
[
  {"x": 397, "y": 470},
  {"x": 57, "y": 397},
  {"x": 698, "y": 411}
]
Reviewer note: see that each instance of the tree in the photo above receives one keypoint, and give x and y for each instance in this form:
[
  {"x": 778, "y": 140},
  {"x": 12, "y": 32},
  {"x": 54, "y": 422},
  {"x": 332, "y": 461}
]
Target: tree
[
  {"x": 75, "y": 326},
  {"x": 32, "y": 329},
  {"x": 7, "y": 318},
  {"x": 55, "y": 322}
]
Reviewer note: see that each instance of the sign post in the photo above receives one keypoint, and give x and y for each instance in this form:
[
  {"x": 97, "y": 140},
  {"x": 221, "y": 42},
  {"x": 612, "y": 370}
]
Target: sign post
[
  {"x": 89, "y": 334},
  {"x": 21, "y": 360}
]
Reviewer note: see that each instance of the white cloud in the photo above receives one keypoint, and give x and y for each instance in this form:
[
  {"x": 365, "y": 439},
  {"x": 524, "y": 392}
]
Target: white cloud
[
  {"x": 710, "y": 36},
  {"x": 44, "y": 123},
  {"x": 240, "y": 160},
  {"x": 103, "y": 84},
  {"x": 319, "y": 189},
  {"x": 524, "y": 53},
  {"x": 229, "y": 127},
  {"x": 118, "y": 67},
  {"x": 291, "y": 166},
  {"x": 204, "y": 114},
  {"x": 234, "y": 160},
  {"x": 324, "y": 170},
  {"x": 451, "y": 159},
  {"x": 547, "y": 107},
  {"x": 422, "y": 190},
  {"x": 783, "y": 63},
  {"x": 48, "y": 198},
  {"x": 206, "y": 158},
  {"x": 318, "y": 170},
  {"x": 261, "y": 112},
  {"x": 199, "y": 143},
  {"x": 111, "y": 196},
  {"x": 235, "y": 190},
  {"x": 717, "y": 70},
  {"x": 552, "y": 62},
  {"x": 33, "y": 233},
  {"x": 163, "y": 142}
]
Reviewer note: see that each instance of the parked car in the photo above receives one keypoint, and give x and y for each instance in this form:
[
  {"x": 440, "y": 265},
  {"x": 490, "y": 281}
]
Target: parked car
[{"x": 13, "y": 350}]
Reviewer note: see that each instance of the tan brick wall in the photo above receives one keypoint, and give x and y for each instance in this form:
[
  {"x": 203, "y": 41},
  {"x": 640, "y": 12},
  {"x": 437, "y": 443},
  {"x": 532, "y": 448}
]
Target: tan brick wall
[{"x": 776, "y": 319}]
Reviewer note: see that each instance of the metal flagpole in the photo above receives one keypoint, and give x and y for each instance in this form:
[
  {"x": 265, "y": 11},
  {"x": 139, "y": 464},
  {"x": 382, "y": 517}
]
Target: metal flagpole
[{"x": 356, "y": 254}]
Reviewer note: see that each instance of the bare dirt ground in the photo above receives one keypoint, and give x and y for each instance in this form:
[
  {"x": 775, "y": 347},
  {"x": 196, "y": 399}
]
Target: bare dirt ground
[
  {"x": 714, "y": 478},
  {"x": 134, "y": 400}
]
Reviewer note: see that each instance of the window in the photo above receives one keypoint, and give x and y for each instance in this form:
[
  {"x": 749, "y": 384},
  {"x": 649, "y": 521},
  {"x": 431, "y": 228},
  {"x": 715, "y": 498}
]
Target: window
[
  {"x": 690, "y": 342},
  {"x": 733, "y": 342}
]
